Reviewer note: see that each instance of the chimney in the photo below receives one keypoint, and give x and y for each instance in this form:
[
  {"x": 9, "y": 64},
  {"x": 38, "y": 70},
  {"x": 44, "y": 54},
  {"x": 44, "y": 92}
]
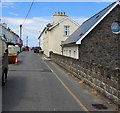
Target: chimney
[
  {"x": 55, "y": 13},
  {"x": 5, "y": 25},
  {"x": 8, "y": 29},
  {"x": 58, "y": 16},
  {"x": 58, "y": 13}
]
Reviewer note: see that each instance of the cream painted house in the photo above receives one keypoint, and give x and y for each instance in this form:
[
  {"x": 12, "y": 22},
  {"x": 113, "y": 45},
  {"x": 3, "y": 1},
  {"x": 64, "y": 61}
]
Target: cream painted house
[
  {"x": 55, "y": 34},
  {"x": 71, "y": 51}
]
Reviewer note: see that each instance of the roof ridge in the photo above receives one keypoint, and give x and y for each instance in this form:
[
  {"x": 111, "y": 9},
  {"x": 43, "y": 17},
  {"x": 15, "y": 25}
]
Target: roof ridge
[
  {"x": 112, "y": 6},
  {"x": 90, "y": 24},
  {"x": 62, "y": 21}
]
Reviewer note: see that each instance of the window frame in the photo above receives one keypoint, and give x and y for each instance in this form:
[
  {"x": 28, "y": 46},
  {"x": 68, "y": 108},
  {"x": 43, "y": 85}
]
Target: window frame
[{"x": 66, "y": 30}]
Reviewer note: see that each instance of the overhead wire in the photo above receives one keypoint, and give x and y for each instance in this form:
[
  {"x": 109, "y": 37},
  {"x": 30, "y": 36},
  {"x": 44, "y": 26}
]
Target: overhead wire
[{"x": 28, "y": 11}]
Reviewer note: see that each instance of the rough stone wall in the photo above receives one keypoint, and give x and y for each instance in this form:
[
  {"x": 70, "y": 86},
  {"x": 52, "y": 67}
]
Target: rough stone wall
[
  {"x": 101, "y": 46},
  {"x": 103, "y": 79}
]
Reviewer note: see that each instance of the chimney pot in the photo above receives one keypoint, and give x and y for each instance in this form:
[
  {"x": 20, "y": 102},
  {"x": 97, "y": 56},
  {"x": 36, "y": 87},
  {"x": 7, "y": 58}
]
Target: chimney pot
[
  {"x": 55, "y": 13},
  {"x": 8, "y": 29},
  {"x": 5, "y": 25}
]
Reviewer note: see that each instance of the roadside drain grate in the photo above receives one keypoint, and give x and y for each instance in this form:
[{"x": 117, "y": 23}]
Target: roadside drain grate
[{"x": 99, "y": 106}]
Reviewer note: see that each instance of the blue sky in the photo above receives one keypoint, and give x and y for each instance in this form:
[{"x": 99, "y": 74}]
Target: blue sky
[
  {"x": 85, "y": 9},
  {"x": 13, "y": 13}
]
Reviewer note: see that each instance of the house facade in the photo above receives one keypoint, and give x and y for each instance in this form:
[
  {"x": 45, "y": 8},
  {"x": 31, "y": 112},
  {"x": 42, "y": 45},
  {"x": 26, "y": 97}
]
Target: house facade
[
  {"x": 11, "y": 36},
  {"x": 71, "y": 50},
  {"x": 55, "y": 34},
  {"x": 97, "y": 40}
]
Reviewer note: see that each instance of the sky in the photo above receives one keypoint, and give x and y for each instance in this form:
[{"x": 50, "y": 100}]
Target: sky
[{"x": 14, "y": 13}]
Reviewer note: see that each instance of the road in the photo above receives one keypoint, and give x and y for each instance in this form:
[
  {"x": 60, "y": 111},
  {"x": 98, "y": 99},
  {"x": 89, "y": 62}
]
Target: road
[{"x": 37, "y": 84}]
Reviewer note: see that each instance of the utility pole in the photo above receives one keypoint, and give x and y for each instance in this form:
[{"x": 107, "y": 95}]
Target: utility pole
[
  {"x": 20, "y": 40},
  {"x": 27, "y": 41},
  {"x": 20, "y": 32}
]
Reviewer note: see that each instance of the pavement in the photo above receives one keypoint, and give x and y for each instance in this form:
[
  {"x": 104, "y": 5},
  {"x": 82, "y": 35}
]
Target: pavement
[{"x": 38, "y": 84}]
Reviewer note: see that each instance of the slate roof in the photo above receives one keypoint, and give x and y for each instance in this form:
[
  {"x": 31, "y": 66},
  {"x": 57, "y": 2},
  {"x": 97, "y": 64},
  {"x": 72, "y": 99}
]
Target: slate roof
[{"x": 89, "y": 24}]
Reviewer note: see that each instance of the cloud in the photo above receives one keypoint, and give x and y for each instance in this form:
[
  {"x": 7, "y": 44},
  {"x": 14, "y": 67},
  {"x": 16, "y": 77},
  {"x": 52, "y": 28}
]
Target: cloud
[
  {"x": 31, "y": 28},
  {"x": 13, "y": 14},
  {"x": 79, "y": 20},
  {"x": 59, "y": 0},
  {"x": 8, "y": 5},
  {"x": 107, "y": 0},
  {"x": 41, "y": 19}
]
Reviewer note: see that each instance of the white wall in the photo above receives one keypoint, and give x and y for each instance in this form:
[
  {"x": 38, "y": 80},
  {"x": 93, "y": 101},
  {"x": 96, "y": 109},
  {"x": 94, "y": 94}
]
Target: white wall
[
  {"x": 51, "y": 39},
  {"x": 56, "y": 35},
  {"x": 71, "y": 51}
]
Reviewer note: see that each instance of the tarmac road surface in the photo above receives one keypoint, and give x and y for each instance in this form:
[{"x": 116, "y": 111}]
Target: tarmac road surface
[{"x": 38, "y": 84}]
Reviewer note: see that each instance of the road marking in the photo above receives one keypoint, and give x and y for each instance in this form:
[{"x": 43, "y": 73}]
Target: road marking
[{"x": 70, "y": 92}]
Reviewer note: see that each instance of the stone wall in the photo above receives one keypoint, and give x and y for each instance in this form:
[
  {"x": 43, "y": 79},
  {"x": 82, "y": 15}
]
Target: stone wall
[
  {"x": 101, "y": 46},
  {"x": 103, "y": 79}
]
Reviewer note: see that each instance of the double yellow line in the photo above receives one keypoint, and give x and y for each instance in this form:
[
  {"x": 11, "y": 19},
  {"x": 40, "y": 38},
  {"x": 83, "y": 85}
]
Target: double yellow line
[{"x": 70, "y": 92}]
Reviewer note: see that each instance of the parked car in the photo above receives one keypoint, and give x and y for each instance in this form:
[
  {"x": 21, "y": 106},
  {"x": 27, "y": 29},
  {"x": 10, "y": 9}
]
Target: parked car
[
  {"x": 37, "y": 49},
  {"x": 3, "y": 61},
  {"x": 26, "y": 48}
]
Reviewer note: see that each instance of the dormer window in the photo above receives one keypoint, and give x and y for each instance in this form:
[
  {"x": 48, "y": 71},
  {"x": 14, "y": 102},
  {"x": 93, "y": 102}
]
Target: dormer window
[{"x": 66, "y": 30}]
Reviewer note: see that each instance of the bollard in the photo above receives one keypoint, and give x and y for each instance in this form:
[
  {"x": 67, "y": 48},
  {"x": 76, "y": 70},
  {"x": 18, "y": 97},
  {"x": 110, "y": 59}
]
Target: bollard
[{"x": 16, "y": 60}]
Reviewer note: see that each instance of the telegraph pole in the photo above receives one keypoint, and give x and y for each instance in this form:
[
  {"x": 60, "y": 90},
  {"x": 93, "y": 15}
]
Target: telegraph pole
[
  {"x": 20, "y": 37},
  {"x": 27, "y": 41},
  {"x": 20, "y": 32}
]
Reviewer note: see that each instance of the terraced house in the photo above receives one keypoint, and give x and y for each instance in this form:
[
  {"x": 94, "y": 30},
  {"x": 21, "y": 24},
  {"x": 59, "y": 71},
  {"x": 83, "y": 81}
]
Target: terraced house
[
  {"x": 11, "y": 37},
  {"x": 8, "y": 34},
  {"x": 55, "y": 34}
]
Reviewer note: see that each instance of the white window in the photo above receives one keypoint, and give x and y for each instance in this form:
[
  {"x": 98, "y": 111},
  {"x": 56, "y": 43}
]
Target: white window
[
  {"x": 74, "y": 53},
  {"x": 69, "y": 52},
  {"x": 115, "y": 27},
  {"x": 66, "y": 30}
]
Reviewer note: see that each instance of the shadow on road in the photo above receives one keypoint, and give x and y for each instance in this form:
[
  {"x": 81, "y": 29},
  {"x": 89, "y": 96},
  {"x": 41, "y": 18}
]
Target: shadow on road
[{"x": 13, "y": 92}]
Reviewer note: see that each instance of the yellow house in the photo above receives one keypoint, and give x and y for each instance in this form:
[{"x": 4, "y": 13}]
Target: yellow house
[{"x": 55, "y": 34}]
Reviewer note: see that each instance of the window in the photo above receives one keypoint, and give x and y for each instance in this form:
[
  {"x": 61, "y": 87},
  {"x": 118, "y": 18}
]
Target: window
[
  {"x": 66, "y": 30},
  {"x": 69, "y": 52},
  {"x": 74, "y": 53},
  {"x": 115, "y": 27}
]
